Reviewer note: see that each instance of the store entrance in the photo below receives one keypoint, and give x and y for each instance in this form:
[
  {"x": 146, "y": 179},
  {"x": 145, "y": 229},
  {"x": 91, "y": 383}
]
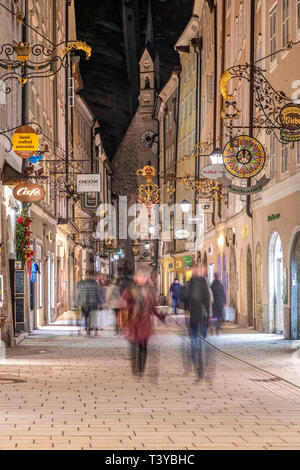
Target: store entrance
[
  {"x": 295, "y": 288},
  {"x": 276, "y": 312}
]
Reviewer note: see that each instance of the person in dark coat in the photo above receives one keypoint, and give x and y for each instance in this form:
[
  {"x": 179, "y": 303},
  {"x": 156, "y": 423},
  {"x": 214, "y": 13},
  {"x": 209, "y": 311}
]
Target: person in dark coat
[
  {"x": 176, "y": 290},
  {"x": 89, "y": 298},
  {"x": 197, "y": 303},
  {"x": 219, "y": 301}
]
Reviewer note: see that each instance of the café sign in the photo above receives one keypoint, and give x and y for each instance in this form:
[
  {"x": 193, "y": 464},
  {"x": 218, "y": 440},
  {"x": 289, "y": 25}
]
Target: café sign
[
  {"x": 28, "y": 192},
  {"x": 25, "y": 142}
]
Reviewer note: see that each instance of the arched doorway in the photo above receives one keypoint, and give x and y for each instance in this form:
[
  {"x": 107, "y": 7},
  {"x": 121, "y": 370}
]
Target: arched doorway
[
  {"x": 276, "y": 311},
  {"x": 249, "y": 288},
  {"x": 242, "y": 285},
  {"x": 295, "y": 287},
  {"x": 232, "y": 280},
  {"x": 258, "y": 287}
]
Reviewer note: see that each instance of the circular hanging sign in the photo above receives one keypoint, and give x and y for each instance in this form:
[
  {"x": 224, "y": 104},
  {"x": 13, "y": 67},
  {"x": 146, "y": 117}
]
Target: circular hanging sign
[
  {"x": 28, "y": 192},
  {"x": 290, "y": 117},
  {"x": 25, "y": 142},
  {"x": 246, "y": 158}
]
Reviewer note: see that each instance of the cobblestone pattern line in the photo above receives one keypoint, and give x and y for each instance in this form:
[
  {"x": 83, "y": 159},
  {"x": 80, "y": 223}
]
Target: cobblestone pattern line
[{"x": 79, "y": 394}]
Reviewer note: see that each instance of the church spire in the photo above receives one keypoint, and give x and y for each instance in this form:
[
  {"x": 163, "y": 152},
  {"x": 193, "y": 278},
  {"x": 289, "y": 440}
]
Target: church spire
[{"x": 150, "y": 36}]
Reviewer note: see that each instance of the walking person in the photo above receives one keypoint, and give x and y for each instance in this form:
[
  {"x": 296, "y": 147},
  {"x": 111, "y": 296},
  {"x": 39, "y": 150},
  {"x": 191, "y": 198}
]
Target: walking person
[
  {"x": 113, "y": 298},
  {"x": 140, "y": 300},
  {"x": 219, "y": 301},
  {"x": 176, "y": 290},
  {"x": 197, "y": 299},
  {"x": 89, "y": 298}
]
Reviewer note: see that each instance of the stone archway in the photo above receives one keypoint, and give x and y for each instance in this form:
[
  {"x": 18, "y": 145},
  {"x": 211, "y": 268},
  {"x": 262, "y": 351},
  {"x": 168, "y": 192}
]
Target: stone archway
[
  {"x": 232, "y": 280},
  {"x": 249, "y": 288},
  {"x": 275, "y": 271},
  {"x": 242, "y": 286},
  {"x": 295, "y": 288},
  {"x": 258, "y": 320}
]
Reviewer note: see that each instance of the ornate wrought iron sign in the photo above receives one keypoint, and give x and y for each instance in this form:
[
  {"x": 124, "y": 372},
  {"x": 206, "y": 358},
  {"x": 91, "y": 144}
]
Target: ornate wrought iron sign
[
  {"x": 246, "y": 158},
  {"x": 24, "y": 61},
  {"x": 148, "y": 192}
]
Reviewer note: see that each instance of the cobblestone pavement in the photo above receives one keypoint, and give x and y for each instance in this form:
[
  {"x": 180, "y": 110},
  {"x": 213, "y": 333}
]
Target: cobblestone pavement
[{"x": 59, "y": 390}]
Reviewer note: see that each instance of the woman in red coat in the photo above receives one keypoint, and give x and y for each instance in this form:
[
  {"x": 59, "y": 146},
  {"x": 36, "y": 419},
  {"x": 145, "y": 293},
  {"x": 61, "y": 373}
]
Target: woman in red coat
[{"x": 140, "y": 300}]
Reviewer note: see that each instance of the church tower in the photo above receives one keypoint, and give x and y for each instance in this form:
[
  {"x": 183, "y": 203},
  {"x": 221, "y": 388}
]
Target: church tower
[
  {"x": 149, "y": 69},
  {"x": 139, "y": 145}
]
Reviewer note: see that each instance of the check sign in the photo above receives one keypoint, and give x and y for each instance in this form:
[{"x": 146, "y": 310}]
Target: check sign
[{"x": 89, "y": 183}]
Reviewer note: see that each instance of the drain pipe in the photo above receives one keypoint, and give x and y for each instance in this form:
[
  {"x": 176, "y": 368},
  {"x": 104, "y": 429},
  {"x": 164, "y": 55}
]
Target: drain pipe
[{"x": 251, "y": 98}]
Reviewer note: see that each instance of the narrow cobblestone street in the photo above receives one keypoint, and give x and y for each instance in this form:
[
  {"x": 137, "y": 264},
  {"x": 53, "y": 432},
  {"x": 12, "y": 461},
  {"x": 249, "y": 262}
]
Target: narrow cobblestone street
[{"x": 61, "y": 390}]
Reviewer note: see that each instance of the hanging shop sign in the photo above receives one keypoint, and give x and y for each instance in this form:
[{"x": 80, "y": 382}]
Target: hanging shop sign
[
  {"x": 88, "y": 183},
  {"x": 290, "y": 117},
  {"x": 213, "y": 172},
  {"x": 205, "y": 206},
  {"x": 188, "y": 261},
  {"x": 28, "y": 192},
  {"x": 289, "y": 136},
  {"x": 90, "y": 201},
  {"x": 25, "y": 142},
  {"x": 273, "y": 217},
  {"x": 290, "y": 120},
  {"x": 246, "y": 158},
  {"x": 245, "y": 191}
]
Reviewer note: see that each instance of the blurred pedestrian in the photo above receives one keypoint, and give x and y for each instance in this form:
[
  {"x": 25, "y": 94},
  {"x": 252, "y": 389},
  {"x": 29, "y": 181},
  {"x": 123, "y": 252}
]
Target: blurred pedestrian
[
  {"x": 89, "y": 298},
  {"x": 219, "y": 301},
  {"x": 140, "y": 300},
  {"x": 126, "y": 281},
  {"x": 197, "y": 300},
  {"x": 113, "y": 298},
  {"x": 176, "y": 290}
]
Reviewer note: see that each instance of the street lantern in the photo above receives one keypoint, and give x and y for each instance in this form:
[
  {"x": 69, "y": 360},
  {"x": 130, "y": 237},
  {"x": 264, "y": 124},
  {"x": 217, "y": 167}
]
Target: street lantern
[
  {"x": 186, "y": 206},
  {"x": 216, "y": 156}
]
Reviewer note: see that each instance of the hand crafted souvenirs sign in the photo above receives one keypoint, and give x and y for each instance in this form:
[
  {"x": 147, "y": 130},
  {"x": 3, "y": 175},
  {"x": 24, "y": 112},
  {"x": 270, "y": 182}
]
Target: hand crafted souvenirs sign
[
  {"x": 245, "y": 158},
  {"x": 28, "y": 192},
  {"x": 245, "y": 191},
  {"x": 25, "y": 142}
]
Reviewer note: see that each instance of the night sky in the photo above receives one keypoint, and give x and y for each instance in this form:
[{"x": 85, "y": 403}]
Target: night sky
[{"x": 99, "y": 23}]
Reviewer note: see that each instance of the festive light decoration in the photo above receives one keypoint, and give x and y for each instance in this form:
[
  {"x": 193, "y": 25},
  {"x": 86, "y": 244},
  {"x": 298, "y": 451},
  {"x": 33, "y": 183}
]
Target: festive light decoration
[{"x": 148, "y": 194}]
